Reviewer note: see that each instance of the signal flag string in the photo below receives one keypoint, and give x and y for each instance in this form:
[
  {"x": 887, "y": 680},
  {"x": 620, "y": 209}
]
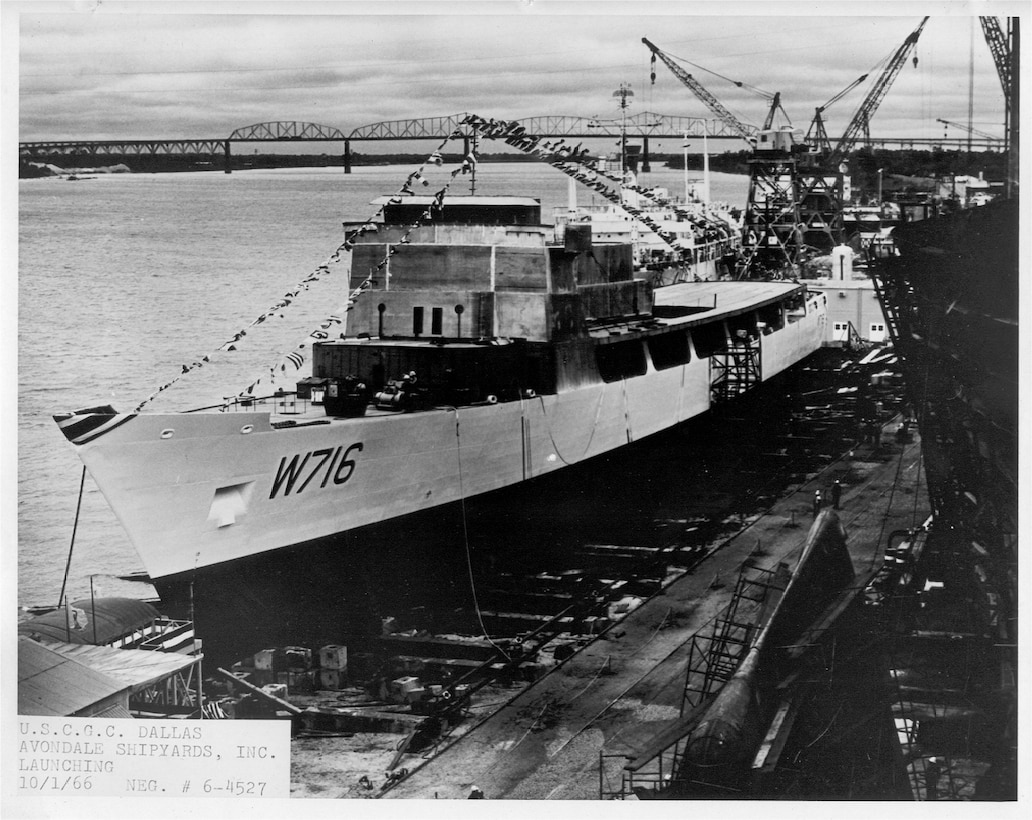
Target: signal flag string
[
  {"x": 296, "y": 357},
  {"x": 277, "y": 310},
  {"x": 570, "y": 160},
  {"x": 567, "y": 159}
]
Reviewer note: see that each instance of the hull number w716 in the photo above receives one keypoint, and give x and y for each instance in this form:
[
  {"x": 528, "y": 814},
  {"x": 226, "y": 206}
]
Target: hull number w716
[{"x": 297, "y": 472}]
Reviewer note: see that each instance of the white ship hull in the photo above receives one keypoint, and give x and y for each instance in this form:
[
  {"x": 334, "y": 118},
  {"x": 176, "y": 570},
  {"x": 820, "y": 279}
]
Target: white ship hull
[{"x": 196, "y": 490}]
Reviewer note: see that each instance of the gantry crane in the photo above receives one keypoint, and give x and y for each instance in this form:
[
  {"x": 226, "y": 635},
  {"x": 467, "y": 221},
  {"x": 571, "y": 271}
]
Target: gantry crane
[
  {"x": 791, "y": 210},
  {"x": 776, "y": 231}
]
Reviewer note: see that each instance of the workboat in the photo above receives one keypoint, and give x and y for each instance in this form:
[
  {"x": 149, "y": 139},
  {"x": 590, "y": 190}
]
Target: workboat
[{"x": 479, "y": 354}]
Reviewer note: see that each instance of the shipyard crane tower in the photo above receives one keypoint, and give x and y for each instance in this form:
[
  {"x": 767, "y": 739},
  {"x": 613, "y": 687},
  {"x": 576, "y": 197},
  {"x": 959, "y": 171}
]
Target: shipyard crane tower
[
  {"x": 1005, "y": 51},
  {"x": 822, "y": 185},
  {"x": 860, "y": 122},
  {"x": 817, "y": 135},
  {"x": 773, "y": 236},
  {"x": 746, "y": 132}
]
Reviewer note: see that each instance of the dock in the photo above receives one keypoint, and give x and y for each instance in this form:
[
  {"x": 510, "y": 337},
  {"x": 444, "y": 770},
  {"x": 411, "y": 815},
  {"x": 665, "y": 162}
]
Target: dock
[{"x": 569, "y": 735}]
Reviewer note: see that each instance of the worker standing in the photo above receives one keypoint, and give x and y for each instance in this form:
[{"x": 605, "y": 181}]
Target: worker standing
[
  {"x": 931, "y": 773},
  {"x": 836, "y": 493},
  {"x": 817, "y": 502}
]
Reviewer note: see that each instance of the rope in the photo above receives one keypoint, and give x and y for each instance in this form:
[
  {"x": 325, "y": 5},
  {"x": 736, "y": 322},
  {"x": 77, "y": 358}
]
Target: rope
[
  {"x": 75, "y": 526},
  {"x": 465, "y": 542},
  {"x": 591, "y": 436},
  {"x": 601, "y": 669}
]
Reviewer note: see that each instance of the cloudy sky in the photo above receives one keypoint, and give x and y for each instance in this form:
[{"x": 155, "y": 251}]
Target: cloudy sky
[{"x": 104, "y": 70}]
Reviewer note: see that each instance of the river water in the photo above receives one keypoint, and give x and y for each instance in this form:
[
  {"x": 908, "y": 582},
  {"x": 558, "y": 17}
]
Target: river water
[{"x": 125, "y": 278}]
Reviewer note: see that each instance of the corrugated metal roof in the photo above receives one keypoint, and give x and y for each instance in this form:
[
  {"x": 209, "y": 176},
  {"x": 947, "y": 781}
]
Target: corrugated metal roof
[
  {"x": 109, "y": 618},
  {"x": 51, "y": 684},
  {"x": 136, "y": 668}
]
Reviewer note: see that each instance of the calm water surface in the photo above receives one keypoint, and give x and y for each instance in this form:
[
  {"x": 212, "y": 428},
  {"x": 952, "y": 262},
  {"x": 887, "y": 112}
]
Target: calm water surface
[{"x": 124, "y": 278}]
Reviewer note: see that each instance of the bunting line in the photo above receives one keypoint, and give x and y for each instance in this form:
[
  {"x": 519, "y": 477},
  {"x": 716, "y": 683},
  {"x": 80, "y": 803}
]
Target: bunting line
[
  {"x": 570, "y": 160},
  {"x": 296, "y": 357}
]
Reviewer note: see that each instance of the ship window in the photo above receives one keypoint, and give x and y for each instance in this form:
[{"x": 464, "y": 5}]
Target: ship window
[
  {"x": 621, "y": 360},
  {"x": 771, "y": 317},
  {"x": 669, "y": 350},
  {"x": 709, "y": 338},
  {"x": 417, "y": 321},
  {"x": 436, "y": 321}
]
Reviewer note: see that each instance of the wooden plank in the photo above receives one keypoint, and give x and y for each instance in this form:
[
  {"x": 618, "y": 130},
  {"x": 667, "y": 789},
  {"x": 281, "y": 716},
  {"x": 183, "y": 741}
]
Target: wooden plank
[
  {"x": 401, "y": 750},
  {"x": 290, "y": 707},
  {"x": 767, "y": 757},
  {"x": 668, "y": 737}
]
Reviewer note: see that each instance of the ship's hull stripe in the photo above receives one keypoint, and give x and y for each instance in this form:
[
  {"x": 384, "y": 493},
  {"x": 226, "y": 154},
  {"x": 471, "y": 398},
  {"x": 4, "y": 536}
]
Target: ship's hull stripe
[{"x": 81, "y": 429}]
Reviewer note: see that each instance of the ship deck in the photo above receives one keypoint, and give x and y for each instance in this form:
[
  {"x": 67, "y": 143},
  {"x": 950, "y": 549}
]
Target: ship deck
[
  {"x": 704, "y": 302},
  {"x": 619, "y": 693},
  {"x": 722, "y": 298}
]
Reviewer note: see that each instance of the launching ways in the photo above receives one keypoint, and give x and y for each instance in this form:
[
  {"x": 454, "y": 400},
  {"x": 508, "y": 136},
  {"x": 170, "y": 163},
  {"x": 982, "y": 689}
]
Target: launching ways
[{"x": 618, "y": 702}]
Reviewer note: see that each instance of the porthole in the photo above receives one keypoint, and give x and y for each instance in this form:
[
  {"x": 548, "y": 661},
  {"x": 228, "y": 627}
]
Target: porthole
[{"x": 168, "y": 432}]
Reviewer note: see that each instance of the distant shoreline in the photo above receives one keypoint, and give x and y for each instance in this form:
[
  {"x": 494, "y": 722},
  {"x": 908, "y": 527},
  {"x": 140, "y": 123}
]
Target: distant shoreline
[
  {"x": 139, "y": 164},
  {"x": 890, "y": 171}
]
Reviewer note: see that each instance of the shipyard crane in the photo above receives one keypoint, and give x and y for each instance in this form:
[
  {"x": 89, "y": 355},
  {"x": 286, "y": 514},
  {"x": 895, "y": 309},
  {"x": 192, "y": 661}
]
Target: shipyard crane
[
  {"x": 866, "y": 110},
  {"x": 774, "y": 236},
  {"x": 986, "y": 136},
  {"x": 998, "y": 47},
  {"x": 1006, "y": 54},
  {"x": 746, "y": 132},
  {"x": 817, "y": 136}
]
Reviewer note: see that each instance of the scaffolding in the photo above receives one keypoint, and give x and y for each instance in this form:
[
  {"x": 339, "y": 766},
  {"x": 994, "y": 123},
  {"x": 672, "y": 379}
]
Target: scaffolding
[
  {"x": 735, "y": 370},
  {"x": 712, "y": 661}
]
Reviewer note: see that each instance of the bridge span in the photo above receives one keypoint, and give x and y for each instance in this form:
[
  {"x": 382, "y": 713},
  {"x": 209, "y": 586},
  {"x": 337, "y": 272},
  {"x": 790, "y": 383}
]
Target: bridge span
[{"x": 642, "y": 126}]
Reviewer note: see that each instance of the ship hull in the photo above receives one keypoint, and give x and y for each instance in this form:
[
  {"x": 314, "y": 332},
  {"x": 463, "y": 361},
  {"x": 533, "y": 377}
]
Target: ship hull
[
  {"x": 426, "y": 567},
  {"x": 195, "y": 490}
]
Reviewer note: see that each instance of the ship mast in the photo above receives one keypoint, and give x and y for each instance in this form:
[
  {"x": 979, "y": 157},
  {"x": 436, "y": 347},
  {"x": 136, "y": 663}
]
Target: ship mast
[{"x": 623, "y": 92}]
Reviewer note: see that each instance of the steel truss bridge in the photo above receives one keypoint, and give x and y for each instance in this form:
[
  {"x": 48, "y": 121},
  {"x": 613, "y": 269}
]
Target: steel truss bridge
[{"x": 644, "y": 126}]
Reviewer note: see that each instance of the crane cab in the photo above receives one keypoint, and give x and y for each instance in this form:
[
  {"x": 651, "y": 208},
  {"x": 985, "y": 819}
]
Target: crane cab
[{"x": 776, "y": 140}]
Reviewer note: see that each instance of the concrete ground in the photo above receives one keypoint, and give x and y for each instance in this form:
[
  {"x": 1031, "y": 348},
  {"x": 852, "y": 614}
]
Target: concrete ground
[{"x": 626, "y": 687}]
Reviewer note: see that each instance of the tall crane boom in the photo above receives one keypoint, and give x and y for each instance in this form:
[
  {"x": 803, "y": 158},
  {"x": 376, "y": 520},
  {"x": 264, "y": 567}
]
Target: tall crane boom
[
  {"x": 711, "y": 102},
  {"x": 997, "y": 42},
  {"x": 985, "y": 135},
  {"x": 875, "y": 96}
]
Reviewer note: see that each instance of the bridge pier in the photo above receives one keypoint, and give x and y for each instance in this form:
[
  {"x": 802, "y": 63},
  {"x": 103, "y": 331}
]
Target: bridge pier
[
  {"x": 347, "y": 156},
  {"x": 645, "y": 166},
  {"x": 227, "y": 167}
]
